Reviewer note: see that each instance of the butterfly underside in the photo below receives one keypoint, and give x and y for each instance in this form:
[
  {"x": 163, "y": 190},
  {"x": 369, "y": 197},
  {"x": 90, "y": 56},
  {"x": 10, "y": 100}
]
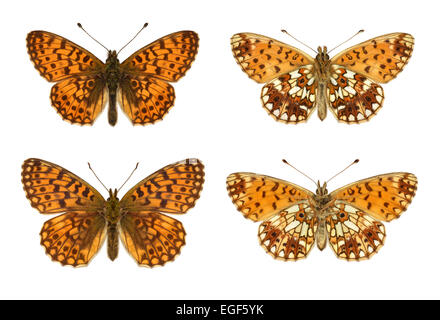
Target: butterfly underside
[
  {"x": 347, "y": 84},
  {"x": 84, "y": 83},
  {"x": 150, "y": 236},
  {"x": 294, "y": 218}
]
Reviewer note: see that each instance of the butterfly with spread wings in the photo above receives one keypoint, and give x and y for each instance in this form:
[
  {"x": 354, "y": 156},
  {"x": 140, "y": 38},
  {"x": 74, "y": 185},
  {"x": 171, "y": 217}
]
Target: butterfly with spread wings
[
  {"x": 294, "y": 218},
  {"x": 140, "y": 84},
  {"x": 151, "y": 237},
  {"x": 347, "y": 84}
]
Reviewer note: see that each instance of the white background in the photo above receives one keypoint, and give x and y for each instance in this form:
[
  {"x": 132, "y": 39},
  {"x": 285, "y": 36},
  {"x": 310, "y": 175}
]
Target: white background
[{"x": 218, "y": 118}]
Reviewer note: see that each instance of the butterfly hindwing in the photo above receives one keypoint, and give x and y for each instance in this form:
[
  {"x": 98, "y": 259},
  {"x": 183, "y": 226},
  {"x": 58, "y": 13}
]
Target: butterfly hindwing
[
  {"x": 145, "y": 99},
  {"x": 289, "y": 234},
  {"x": 151, "y": 238},
  {"x": 353, "y": 234},
  {"x": 73, "y": 238}
]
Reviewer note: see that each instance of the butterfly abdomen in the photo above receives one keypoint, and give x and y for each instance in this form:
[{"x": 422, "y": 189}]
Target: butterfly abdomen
[{"x": 112, "y": 241}]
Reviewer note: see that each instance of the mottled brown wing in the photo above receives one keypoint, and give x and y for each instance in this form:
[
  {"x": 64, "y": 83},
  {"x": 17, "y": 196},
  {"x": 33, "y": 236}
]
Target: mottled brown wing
[
  {"x": 145, "y": 99},
  {"x": 53, "y": 189},
  {"x": 289, "y": 234},
  {"x": 259, "y": 197},
  {"x": 151, "y": 237},
  {"x": 73, "y": 238},
  {"x": 57, "y": 58},
  {"x": 172, "y": 189},
  {"x": 352, "y": 233},
  {"x": 167, "y": 58},
  {"x": 263, "y": 58},
  {"x": 79, "y": 99},
  {"x": 380, "y": 59},
  {"x": 384, "y": 197}
]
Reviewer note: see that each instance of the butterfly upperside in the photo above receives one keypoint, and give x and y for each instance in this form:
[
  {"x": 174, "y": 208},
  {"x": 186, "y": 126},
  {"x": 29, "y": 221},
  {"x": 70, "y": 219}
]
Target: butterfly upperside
[
  {"x": 140, "y": 83},
  {"x": 294, "y": 218},
  {"x": 74, "y": 237},
  {"x": 347, "y": 84}
]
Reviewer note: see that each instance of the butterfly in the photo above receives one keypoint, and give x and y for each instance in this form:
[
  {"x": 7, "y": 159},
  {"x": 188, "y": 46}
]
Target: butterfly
[
  {"x": 294, "y": 218},
  {"x": 151, "y": 237},
  {"x": 85, "y": 83},
  {"x": 347, "y": 84}
]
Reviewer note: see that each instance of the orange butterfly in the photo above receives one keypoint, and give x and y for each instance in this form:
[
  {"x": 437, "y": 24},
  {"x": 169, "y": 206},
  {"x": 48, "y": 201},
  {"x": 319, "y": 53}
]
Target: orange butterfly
[
  {"x": 74, "y": 237},
  {"x": 296, "y": 83},
  {"x": 85, "y": 83},
  {"x": 294, "y": 217}
]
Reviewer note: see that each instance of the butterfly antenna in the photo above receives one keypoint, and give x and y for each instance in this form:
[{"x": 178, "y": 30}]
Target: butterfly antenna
[
  {"x": 81, "y": 27},
  {"x": 354, "y": 162},
  {"x": 360, "y": 31},
  {"x": 285, "y": 161},
  {"x": 129, "y": 176},
  {"x": 299, "y": 41},
  {"x": 144, "y": 26},
  {"x": 90, "y": 167}
]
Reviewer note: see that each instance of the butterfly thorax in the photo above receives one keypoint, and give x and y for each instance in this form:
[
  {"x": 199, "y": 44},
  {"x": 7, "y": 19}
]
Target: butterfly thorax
[
  {"x": 112, "y": 214},
  {"x": 322, "y": 70},
  {"x": 112, "y": 78}
]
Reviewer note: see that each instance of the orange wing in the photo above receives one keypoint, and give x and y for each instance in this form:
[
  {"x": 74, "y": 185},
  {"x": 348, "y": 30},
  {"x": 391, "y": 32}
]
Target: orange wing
[
  {"x": 259, "y": 197},
  {"x": 53, "y": 189},
  {"x": 384, "y": 197},
  {"x": 145, "y": 99},
  {"x": 263, "y": 58},
  {"x": 167, "y": 58},
  {"x": 72, "y": 238},
  {"x": 172, "y": 189},
  {"x": 380, "y": 59},
  {"x": 151, "y": 237},
  {"x": 57, "y": 58}
]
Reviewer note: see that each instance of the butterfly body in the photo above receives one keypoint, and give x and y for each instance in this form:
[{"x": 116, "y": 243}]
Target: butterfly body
[
  {"x": 137, "y": 219},
  {"x": 347, "y": 84},
  {"x": 140, "y": 84},
  {"x": 294, "y": 218}
]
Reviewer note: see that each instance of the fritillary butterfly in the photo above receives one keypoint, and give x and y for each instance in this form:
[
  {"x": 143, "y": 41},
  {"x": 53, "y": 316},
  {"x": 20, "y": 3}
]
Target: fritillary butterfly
[
  {"x": 85, "y": 83},
  {"x": 150, "y": 237},
  {"x": 294, "y": 217},
  {"x": 295, "y": 83}
]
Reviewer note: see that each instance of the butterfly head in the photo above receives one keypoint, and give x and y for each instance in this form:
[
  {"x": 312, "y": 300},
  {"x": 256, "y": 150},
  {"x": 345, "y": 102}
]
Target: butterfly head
[
  {"x": 112, "y": 57},
  {"x": 321, "y": 190},
  {"x": 322, "y": 55},
  {"x": 113, "y": 195}
]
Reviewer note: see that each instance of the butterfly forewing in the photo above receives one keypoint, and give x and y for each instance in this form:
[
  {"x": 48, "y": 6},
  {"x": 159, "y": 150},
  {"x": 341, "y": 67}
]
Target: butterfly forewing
[
  {"x": 380, "y": 59},
  {"x": 259, "y": 197},
  {"x": 384, "y": 197},
  {"x": 57, "y": 58},
  {"x": 263, "y": 58},
  {"x": 167, "y": 58}
]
